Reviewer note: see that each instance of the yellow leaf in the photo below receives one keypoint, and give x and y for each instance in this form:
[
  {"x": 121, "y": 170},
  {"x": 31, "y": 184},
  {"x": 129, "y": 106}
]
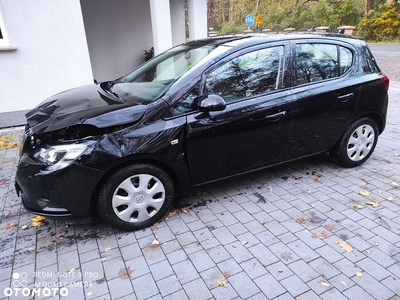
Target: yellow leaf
[
  {"x": 72, "y": 270},
  {"x": 374, "y": 204},
  {"x": 36, "y": 224},
  {"x": 345, "y": 246},
  {"x": 356, "y": 207},
  {"x": 107, "y": 249},
  {"x": 89, "y": 294},
  {"x": 390, "y": 199},
  {"x": 221, "y": 282},
  {"x": 270, "y": 188},
  {"x": 186, "y": 210},
  {"x": 364, "y": 193},
  {"x": 37, "y": 220},
  {"x": 31, "y": 250},
  {"x": 359, "y": 274}
]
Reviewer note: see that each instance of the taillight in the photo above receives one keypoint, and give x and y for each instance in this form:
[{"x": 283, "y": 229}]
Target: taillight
[{"x": 386, "y": 81}]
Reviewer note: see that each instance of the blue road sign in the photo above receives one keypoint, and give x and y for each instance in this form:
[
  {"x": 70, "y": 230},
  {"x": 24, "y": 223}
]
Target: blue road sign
[{"x": 250, "y": 20}]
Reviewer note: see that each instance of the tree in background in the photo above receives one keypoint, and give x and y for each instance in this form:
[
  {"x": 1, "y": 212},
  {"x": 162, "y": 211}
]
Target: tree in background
[
  {"x": 374, "y": 19},
  {"x": 382, "y": 22}
]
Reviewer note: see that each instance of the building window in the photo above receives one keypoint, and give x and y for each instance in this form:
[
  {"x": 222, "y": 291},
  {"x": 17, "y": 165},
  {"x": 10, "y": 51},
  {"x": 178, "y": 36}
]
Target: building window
[{"x": 3, "y": 34}]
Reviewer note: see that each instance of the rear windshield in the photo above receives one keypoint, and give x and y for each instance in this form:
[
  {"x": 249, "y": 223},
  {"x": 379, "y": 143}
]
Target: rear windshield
[{"x": 153, "y": 79}]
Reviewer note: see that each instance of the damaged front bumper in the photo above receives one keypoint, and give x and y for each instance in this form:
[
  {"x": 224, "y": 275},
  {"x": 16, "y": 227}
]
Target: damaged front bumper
[{"x": 64, "y": 193}]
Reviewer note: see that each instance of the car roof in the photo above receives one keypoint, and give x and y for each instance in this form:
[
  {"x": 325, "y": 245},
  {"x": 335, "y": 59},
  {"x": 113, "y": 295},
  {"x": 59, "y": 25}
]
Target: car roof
[{"x": 257, "y": 38}]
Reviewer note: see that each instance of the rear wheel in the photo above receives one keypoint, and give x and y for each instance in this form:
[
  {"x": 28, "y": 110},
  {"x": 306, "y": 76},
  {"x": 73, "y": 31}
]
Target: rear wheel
[
  {"x": 135, "y": 197},
  {"x": 357, "y": 143}
]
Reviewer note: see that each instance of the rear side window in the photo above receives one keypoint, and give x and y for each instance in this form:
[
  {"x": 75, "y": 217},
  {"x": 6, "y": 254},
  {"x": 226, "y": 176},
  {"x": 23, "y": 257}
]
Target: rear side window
[{"x": 316, "y": 62}]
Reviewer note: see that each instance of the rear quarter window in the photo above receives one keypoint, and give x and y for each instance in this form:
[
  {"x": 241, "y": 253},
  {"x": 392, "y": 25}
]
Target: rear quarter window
[{"x": 368, "y": 63}]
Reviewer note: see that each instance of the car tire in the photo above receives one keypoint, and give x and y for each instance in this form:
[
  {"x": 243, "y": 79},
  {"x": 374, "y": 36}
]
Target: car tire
[
  {"x": 357, "y": 143},
  {"x": 135, "y": 197}
]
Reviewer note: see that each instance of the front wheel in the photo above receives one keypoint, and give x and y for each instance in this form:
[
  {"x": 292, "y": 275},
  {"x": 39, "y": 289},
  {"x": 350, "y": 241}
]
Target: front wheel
[
  {"x": 135, "y": 197},
  {"x": 357, "y": 143}
]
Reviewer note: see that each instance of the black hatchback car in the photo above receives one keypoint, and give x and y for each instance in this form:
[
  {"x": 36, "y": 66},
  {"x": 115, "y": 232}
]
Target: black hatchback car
[{"x": 200, "y": 112}]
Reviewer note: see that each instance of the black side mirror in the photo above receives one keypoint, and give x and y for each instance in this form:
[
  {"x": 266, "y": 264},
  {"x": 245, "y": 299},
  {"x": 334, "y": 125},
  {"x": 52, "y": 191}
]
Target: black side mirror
[{"x": 212, "y": 103}]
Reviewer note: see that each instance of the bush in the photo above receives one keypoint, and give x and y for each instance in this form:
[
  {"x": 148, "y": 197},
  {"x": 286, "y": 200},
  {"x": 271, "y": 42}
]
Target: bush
[{"x": 382, "y": 23}]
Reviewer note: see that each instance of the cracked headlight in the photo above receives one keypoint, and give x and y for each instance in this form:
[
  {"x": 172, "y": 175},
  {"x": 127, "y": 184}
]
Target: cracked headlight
[{"x": 59, "y": 157}]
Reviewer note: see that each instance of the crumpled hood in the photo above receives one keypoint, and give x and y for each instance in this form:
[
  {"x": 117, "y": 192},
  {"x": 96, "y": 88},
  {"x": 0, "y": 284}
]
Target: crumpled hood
[{"x": 83, "y": 105}]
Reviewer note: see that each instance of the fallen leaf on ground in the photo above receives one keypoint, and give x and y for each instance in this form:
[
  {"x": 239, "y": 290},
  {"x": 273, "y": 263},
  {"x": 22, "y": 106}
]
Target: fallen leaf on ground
[
  {"x": 345, "y": 246},
  {"x": 31, "y": 250},
  {"x": 357, "y": 207},
  {"x": 222, "y": 283},
  {"x": 186, "y": 210},
  {"x": 244, "y": 243},
  {"x": 155, "y": 244},
  {"x": 374, "y": 204},
  {"x": 173, "y": 212},
  {"x": 324, "y": 283},
  {"x": 37, "y": 220},
  {"x": 330, "y": 227},
  {"x": 227, "y": 274},
  {"x": 315, "y": 235},
  {"x": 7, "y": 143},
  {"x": 23, "y": 227},
  {"x": 316, "y": 179},
  {"x": 107, "y": 249},
  {"x": 89, "y": 294},
  {"x": 364, "y": 193},
  {"x": 270, "y": 188},
  {"x": 394, "y": 184},
  {"x": 300, "y": 220},
  {"x": 391, "y": 199},
  {"x": 1, "y": 182},
  {"x": 60, "y": 238},
  {"x": 359, "y": 274},
  {"x": 10, "y": 225},
  {"x": 344, "y": 283},
  {"x": 393, "y": 277},
  {"x": 72, "y": 270}
]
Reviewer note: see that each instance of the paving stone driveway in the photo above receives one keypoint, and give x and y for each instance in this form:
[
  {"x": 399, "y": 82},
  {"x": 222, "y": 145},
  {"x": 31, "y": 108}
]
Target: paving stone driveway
[{"x": 299, "y": 231}]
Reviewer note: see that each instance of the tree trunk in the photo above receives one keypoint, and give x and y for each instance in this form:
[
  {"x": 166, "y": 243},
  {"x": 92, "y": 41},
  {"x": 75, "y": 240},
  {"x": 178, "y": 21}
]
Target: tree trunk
[{"x": 369, "y": 5}]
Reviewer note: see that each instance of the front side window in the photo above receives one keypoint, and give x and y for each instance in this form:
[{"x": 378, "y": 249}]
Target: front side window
[
  {"x": 316, "y": 62},
  {"x": 248, "y": 75},
  {"x": 153, "y": 79}
]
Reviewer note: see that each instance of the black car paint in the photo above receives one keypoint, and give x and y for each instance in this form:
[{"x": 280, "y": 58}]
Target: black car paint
[
  {"x": 89, "y": 105},
  {"x": 213, "y": 148}
]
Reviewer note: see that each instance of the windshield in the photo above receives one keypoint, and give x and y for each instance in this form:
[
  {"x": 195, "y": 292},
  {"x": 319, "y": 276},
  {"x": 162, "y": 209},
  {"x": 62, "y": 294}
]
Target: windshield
[{"x": 153, "y": 79}]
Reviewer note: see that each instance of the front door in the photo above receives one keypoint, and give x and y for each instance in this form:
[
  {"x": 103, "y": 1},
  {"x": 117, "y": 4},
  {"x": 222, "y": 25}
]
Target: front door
[{"x": 251, "y": 132}]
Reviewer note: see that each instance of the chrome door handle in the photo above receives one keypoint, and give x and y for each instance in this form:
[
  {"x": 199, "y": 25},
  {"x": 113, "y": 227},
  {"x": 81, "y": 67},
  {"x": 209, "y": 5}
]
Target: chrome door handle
[
  {"x": 276, "y": 117},
  {"x": 346, "y": 97}
]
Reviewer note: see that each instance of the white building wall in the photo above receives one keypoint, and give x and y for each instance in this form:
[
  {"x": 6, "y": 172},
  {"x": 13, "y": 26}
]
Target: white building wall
[
  {"x": 178, "y": 22},
  {"x": 117, "y": 32},
  {"x": 197, "y": 10},
  {"x": 161, "y": 25},
  {"x": 51, "y": 54}
]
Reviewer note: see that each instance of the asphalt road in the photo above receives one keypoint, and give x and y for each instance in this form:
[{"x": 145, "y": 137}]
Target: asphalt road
[{"x": 388, "y": 58}]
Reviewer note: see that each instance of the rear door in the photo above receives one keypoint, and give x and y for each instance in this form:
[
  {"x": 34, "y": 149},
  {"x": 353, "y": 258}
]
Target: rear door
[{"x": 326, "y": 91}]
